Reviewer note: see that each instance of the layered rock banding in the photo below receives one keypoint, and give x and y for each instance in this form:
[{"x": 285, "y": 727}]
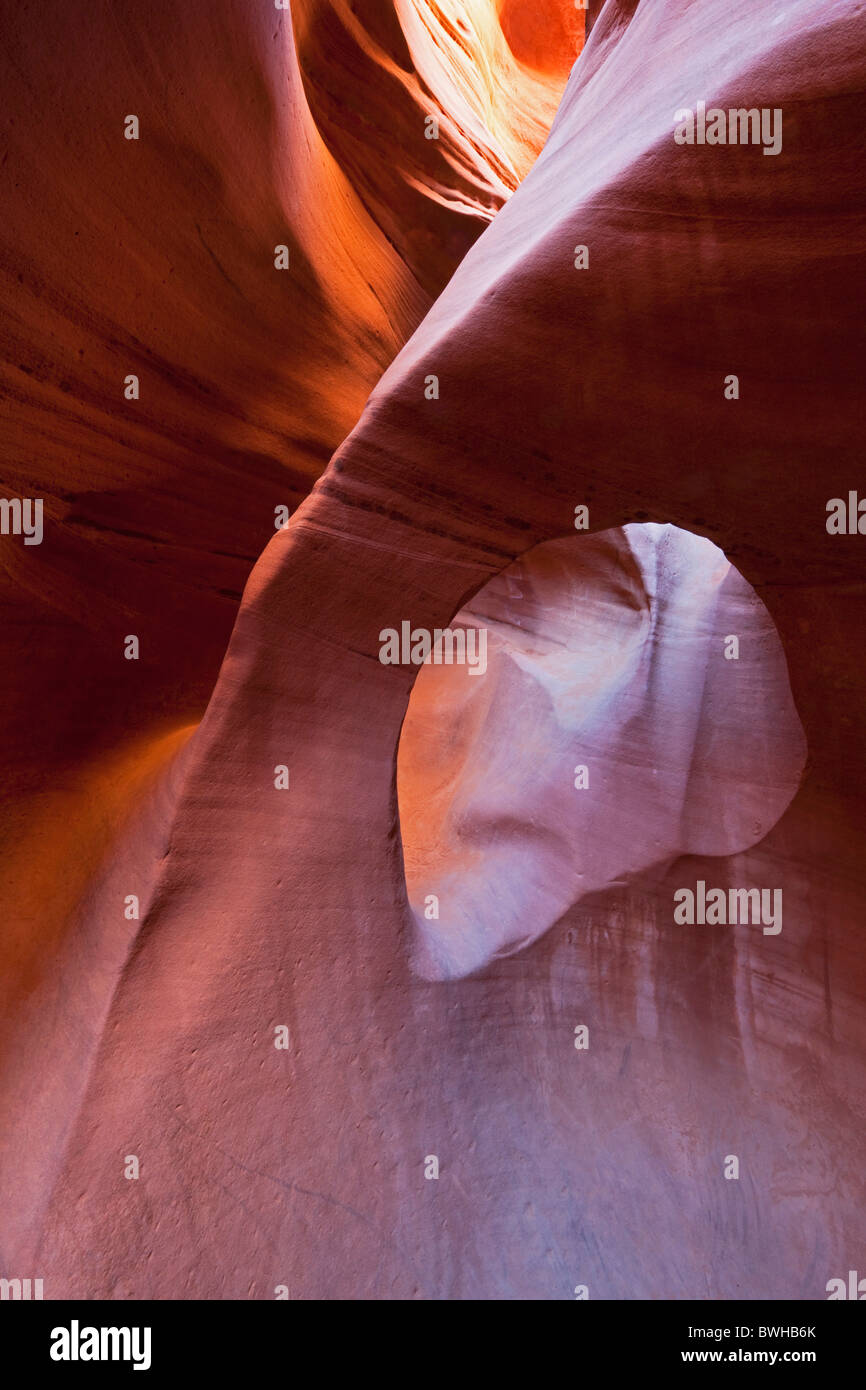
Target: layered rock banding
[{"x": 262, "y": 908}]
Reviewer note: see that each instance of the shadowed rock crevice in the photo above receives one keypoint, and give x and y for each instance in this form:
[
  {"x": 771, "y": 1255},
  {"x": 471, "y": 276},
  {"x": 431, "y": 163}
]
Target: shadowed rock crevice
[{"x": 277, "y": 907}]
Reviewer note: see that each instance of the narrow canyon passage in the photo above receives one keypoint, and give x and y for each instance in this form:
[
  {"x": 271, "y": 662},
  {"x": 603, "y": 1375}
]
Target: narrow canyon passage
[{"x": 475, "y": 335}]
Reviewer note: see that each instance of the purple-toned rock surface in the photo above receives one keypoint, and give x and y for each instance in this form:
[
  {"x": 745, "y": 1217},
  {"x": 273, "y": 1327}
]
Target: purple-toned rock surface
[
  {"x": 601, "y": 729},
  {"x": 273, "y": 905}
]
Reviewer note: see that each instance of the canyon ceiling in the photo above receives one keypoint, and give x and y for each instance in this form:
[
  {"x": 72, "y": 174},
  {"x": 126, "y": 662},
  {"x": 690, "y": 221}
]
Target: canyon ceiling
[{"x": 431, "y": 277}]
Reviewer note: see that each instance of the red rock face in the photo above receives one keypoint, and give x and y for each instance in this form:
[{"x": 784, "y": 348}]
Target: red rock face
[
  {"x": 156, "y": 258},
  {"x": 545, "y": 36},
  {"x": 262, "y": 840}
]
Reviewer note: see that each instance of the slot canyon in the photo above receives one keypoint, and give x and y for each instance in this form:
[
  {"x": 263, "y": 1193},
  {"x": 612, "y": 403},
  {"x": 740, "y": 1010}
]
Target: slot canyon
[{"x": 386, "y": 312}]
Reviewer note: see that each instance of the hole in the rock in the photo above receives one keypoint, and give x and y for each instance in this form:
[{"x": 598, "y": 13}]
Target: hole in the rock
[{"x": 602, "y": 721}]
